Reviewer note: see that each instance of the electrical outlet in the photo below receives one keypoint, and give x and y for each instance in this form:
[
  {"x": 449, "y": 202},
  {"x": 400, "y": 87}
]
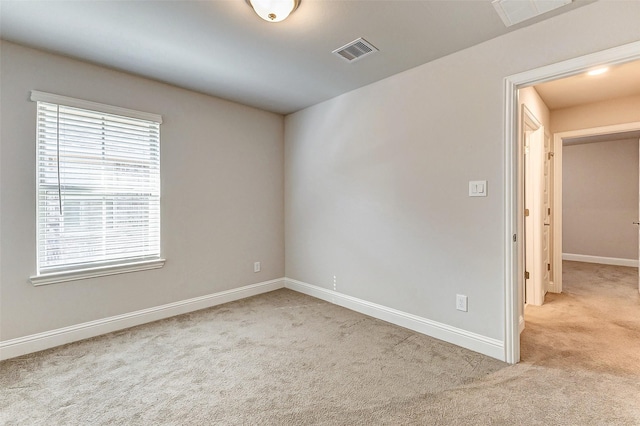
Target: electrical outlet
[
  {"x": 461, "y": 302},
  {"x": 256, "y": 267}
]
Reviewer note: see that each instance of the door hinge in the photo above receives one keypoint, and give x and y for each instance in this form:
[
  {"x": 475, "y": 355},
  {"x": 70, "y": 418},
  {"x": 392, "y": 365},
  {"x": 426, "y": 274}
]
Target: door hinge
[
  {"x": 526, "y": 275},
  {"x": 526, "y": 212},
  {"x": 550, "y": 155},
  {"x": 514, "y": 238},
  {"x": 549, "y": 211},
  {"x": 548, "y": 266}
]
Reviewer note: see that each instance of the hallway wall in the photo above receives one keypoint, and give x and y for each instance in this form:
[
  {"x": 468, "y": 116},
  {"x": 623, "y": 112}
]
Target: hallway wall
[
  {"x": 600, "y": 199},
  {"x": 605, "y": 113}
]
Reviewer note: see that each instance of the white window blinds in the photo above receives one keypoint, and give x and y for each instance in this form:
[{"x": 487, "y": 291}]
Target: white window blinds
[{"x": 98, "y": 186}]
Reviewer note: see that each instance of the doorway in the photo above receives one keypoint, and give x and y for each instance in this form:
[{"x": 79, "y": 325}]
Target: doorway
[
  {"x": 593, "y": 323},
  {"x": 592, "y": 135},
  {"x": 514, "y": 194}
]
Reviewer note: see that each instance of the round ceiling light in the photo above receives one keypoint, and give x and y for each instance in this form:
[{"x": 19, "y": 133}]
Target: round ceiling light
[{"x": 274, "y": 10}]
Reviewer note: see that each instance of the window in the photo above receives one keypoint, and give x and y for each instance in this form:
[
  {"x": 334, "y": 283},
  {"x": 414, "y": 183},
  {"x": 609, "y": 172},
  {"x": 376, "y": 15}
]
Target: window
[{"x": 98, "y": 189}]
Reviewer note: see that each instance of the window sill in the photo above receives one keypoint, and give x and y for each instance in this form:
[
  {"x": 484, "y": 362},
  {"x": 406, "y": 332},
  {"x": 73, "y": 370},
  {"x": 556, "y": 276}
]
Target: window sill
[{"x": 81, "y": 274}]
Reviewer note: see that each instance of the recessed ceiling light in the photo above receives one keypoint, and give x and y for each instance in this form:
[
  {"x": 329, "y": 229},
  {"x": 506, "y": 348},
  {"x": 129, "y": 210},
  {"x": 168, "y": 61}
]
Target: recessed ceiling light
[{"x": 598, "y": 71}]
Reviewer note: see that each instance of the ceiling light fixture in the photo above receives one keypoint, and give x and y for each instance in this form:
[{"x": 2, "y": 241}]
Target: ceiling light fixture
[
  {"x": 274, "y": 10},
  {"x": 598, "y": 71}
]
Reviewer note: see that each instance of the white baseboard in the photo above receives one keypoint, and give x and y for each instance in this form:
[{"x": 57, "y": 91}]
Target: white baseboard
[
  {"x": 551, "y": 288},
  {"x": 600, "y": 259},
  {"x": 49, "y": 339},
  {"x": 475, "y": 342}
]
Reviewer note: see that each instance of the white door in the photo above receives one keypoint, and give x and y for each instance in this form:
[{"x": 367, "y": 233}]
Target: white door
[
  {"x": 528, "y": 226},
  {"x": 535, "y": 265}
]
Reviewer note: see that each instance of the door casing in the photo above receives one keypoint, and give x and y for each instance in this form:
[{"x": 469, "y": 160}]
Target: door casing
[{"x": 514, "y": 223}]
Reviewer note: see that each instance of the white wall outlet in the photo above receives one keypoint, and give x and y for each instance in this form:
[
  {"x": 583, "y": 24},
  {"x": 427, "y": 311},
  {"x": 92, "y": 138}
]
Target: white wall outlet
[
  {"x": 256, "y": 266},
  {"x": 461, "y": 302}
]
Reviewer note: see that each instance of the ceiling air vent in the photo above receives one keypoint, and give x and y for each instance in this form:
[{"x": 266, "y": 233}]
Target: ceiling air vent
[
  {"x": 355, "y": 50},
  {"x": 515, "y": 11}
]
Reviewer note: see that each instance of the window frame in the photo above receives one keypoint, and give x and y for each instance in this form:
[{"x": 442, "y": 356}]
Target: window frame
[{"x": 108, "y": 268}]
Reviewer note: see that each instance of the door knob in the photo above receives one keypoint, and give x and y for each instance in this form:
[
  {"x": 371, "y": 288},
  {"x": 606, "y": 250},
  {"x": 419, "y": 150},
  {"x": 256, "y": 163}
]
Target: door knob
[{"x": 636, "y": 223}]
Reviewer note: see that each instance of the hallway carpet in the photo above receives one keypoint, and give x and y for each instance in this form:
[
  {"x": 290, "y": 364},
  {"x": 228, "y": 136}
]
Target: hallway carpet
[
  {"x": 594, "y": 324},
  {"x": 284, "y": 358}
]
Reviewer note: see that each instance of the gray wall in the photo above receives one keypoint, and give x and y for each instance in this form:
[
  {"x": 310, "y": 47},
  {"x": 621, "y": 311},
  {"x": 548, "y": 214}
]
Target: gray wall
[
  {"x": 375, "y": 188},
  {"x": 376, "y": 180},
  {"x": 600, "y": 199},
  {"x": 222, "y": 195}
]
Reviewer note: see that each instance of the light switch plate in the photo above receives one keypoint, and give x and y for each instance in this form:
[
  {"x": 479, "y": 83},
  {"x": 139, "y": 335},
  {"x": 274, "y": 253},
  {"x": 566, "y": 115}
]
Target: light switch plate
[{"x": 477, "y": 188}]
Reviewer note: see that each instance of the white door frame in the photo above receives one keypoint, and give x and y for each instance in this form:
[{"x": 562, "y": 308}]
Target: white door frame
[{"x": 514, "y": 274}]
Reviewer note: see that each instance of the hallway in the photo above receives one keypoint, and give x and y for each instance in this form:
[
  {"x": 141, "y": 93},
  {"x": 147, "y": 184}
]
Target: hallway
[{"x": 593, "y": 325}]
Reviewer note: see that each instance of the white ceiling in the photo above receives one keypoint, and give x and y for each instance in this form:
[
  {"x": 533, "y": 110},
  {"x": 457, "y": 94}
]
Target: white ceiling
[
  {"x": 220, "y": 47},
  {"x": 619, "y": 81}
]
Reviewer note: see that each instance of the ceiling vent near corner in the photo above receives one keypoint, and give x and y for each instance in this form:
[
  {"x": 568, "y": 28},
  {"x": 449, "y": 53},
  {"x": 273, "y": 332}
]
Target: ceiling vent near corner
[
  {"x": 515, "y": 11},
  {"x": 355, "y": 50}
]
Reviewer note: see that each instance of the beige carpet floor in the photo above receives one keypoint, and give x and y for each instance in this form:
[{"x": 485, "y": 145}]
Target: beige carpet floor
[
  {"x": 594, "y": 324},
  {"x": 284, "y": 358}
]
